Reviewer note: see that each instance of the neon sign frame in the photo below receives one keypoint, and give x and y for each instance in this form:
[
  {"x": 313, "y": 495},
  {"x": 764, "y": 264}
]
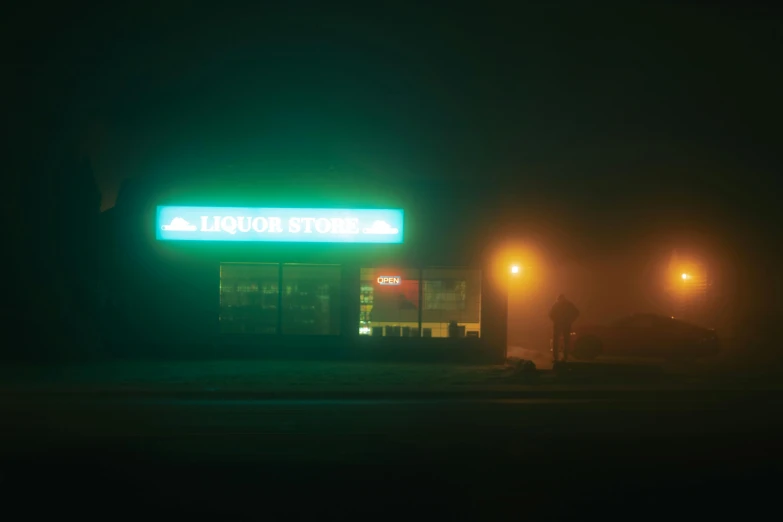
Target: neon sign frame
[{"x": 300, "y": 225}]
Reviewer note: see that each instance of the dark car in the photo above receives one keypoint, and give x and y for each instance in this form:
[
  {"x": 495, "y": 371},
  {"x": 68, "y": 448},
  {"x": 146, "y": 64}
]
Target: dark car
[{"x": 644, "y": 335}]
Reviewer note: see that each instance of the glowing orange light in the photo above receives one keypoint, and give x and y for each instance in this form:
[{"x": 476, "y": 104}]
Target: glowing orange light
[
  {"x": 684, "y": 277},
  {"x": 514, "y": 269}
]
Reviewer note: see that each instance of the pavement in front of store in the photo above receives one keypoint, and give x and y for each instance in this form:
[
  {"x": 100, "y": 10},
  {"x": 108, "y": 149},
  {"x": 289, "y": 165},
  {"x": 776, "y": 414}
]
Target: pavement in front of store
[
  {"x": 624, "y": 456},
  {"x": 335, "y": 378},
  {"x": 282, "y": 438}
]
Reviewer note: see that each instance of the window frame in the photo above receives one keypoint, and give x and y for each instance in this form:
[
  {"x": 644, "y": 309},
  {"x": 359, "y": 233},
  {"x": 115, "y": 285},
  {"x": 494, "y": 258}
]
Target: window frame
[
  {"x": 468, "y": 274},
  {"x": 279, "y": 329}
]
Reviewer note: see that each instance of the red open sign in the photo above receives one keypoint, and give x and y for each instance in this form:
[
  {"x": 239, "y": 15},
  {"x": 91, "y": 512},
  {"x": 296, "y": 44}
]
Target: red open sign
[{"x": 389, "y": 280}]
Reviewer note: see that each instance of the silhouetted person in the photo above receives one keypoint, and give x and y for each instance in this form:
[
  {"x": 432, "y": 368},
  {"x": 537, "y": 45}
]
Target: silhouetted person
[{"x": 562, "y": 314}]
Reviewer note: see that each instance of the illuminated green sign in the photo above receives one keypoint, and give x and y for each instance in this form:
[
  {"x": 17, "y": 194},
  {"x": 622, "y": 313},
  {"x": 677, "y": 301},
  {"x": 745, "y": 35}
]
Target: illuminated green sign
[{"x": 303, "y": 225}]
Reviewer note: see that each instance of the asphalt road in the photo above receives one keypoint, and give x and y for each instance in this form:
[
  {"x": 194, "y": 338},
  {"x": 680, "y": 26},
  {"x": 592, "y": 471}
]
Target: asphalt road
[{"x": 628, "y": 456}]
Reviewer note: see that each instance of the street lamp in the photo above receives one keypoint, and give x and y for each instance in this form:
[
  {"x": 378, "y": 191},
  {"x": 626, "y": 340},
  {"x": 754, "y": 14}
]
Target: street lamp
[{"x": 513, "y": 271}]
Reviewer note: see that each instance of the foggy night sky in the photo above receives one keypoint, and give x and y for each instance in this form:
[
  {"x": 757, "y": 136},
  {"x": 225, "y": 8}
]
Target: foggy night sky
[{"x": 618, "y": 109}]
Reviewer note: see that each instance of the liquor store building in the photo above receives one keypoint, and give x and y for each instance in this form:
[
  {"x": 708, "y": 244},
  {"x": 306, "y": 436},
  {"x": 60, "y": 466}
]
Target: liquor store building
[{"x": 325, "y": 272}]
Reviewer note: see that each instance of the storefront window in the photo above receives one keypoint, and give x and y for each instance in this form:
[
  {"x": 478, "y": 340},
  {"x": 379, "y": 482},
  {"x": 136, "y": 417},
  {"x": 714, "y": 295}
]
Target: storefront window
[
  {"x": 451, "y": 302},
  {"x": 249, "y": 294},
  {"x": 305, "y": 300},
  {"x": 389, "y": 302},
  {"x": 311, "y": 299}
]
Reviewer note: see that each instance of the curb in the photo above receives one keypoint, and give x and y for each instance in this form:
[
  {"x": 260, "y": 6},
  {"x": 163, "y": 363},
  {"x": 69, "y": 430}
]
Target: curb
[{"x": 626, "y": 394}]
